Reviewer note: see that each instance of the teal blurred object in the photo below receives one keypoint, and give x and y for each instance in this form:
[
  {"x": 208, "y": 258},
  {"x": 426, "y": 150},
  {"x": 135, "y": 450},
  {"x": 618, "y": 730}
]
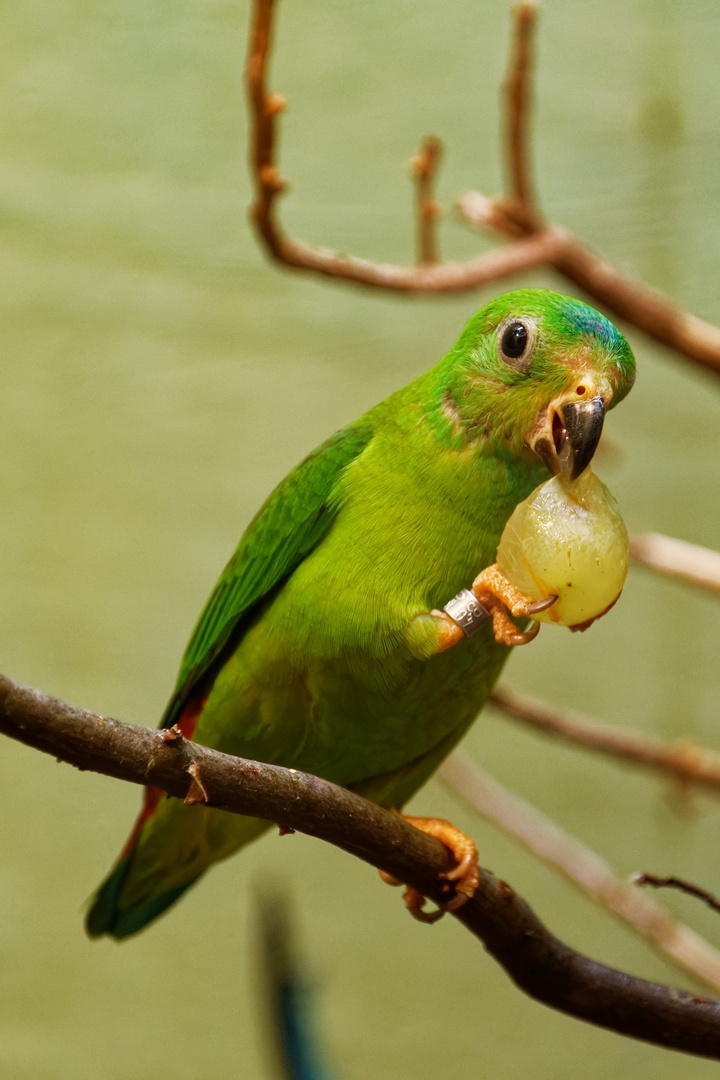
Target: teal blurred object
[{"x": 291, "y": 1029}]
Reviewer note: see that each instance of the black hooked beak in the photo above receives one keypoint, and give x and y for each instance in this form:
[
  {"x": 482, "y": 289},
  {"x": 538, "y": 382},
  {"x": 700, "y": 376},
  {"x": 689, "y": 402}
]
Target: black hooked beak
[{"x": 576, "y": 430}]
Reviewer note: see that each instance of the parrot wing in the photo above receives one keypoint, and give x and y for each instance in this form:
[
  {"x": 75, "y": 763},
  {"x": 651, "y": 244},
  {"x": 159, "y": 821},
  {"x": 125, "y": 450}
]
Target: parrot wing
[{"x": 286, "y": 529}]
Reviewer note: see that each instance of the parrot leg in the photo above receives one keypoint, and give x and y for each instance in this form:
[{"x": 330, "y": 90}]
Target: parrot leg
[
  {"x": 493, "y": 590},
  {"x": 465, "y": 875},
  {"x": 449, "y": 631},
  {"x": 492, "y": 597}
]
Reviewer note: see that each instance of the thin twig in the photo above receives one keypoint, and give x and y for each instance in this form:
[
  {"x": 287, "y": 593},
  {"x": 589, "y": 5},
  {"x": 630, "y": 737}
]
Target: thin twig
[
  {"x": 647, "y": 309},
  {"x": 685, "y": 761},
  {"x": 518, "y": 94},
  {"x": 264, "y": 110},
  {"x": 677, "y": 559},
  {"x": 583, "y": 867},
  {"x": 538, "y": 962},
  {"x": 679, "y": 884},
  {"x": 423, "y": 168},
  {"x": 673, "y": 882}
]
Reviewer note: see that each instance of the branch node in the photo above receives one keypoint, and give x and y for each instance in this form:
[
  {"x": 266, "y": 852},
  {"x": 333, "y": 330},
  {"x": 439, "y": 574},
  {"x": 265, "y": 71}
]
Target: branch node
[
  {"x": 275, "y": 103},
  {"x": 271, "y": 179},
  {"x": 172, "y": 735},
  {"x": 197, "y": 792}
]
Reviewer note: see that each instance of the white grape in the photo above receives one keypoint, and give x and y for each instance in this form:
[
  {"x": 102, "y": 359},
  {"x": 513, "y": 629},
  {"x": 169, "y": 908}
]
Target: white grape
[{"x": 567, "y": 539}]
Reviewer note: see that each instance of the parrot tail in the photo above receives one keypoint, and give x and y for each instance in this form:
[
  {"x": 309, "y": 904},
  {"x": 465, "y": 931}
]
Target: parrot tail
[
  {"x": 170, "y": 847},
  {"x": 107, "y": 914}
]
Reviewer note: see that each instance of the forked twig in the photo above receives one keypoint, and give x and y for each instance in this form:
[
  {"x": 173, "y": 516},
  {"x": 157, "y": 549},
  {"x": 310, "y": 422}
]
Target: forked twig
[
  {"x": 677, "y": 883},
  {"x": 581, "y": 866},
  {"x": 686, "y": 761},
  {"x": 515, "y": 216},
  {"x": 430, "y": 277}
]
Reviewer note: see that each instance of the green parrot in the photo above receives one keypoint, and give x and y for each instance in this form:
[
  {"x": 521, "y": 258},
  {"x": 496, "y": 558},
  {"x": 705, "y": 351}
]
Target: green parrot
[{"x": 324, "y": 647}]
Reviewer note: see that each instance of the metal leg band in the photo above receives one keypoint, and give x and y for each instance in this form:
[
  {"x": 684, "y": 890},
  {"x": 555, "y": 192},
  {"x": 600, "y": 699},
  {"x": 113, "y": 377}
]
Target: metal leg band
[{"x": 467, "y": 611}]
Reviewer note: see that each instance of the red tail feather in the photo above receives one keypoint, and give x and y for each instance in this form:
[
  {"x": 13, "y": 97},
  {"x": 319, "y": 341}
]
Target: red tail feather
[{"x": 187, "y": 722}]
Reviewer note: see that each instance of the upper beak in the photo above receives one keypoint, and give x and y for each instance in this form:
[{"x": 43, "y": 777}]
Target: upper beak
[{"x": 570, "y": 435}]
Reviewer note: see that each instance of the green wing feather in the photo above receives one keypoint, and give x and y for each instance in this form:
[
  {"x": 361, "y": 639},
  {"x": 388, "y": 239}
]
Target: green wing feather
[{"x": 286, "y": 528}]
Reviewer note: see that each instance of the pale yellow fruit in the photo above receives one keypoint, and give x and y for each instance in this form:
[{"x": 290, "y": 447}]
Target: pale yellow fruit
[{"x": 568, "y": 540}]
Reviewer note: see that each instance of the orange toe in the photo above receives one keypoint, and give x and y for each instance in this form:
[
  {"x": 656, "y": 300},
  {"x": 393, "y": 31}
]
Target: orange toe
[
  {"x": 493, "y": 590},
  {"x": 415, "y": 903},
  {"x": 464, "y": 877}
]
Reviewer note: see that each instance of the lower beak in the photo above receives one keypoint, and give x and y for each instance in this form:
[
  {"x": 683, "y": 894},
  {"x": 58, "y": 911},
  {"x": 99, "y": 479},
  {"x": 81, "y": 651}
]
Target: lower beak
[{"x": 569, "y": 446}]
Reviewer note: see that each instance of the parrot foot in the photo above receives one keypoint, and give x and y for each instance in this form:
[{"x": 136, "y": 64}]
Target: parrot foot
[
  {"x": 465, "y": 876},
  {"x": 493, "y": 590}
]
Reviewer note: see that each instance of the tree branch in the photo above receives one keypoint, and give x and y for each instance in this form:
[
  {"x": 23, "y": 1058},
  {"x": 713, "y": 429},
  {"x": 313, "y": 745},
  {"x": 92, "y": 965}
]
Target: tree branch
[
  {"x": 515, "y": 216},
  {"x": 680, "y": 884},
  {"x": 647, "y": 309},
  {"x": 539, "y": 963},
  {"x": 581, "y": 866},
  {"x": 431, "y": 277},
  {"x": 677, "y": 559},
  {"x": 685, "y": 761}
]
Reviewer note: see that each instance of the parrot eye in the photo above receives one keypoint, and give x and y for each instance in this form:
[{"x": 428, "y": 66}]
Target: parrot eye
[{"x": 516, "y": 339}]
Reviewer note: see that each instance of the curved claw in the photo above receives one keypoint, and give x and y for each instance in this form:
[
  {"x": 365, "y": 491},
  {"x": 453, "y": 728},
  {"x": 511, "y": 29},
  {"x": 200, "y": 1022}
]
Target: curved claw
[
  {"x": 523, "y": 638},
  {"x": 462, "y": 879},
  {"x": 415, "y": 901},
  {"x": 542, "y": 605},
  {"x": 496, "y": 594}
]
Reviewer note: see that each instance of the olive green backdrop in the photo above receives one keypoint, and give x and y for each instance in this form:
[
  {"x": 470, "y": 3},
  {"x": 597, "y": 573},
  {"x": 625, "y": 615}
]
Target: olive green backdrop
[{"x": 158, "y": 377}]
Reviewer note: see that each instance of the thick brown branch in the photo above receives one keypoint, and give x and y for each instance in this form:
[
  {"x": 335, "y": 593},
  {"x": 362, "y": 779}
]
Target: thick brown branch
[
  {"x": 540, "y": 964},
  {"x": 685, "y": 761}
]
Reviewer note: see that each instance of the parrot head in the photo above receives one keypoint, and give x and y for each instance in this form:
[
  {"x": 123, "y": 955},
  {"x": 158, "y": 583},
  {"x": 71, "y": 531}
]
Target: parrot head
[{"x": 534, "y": 372}]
